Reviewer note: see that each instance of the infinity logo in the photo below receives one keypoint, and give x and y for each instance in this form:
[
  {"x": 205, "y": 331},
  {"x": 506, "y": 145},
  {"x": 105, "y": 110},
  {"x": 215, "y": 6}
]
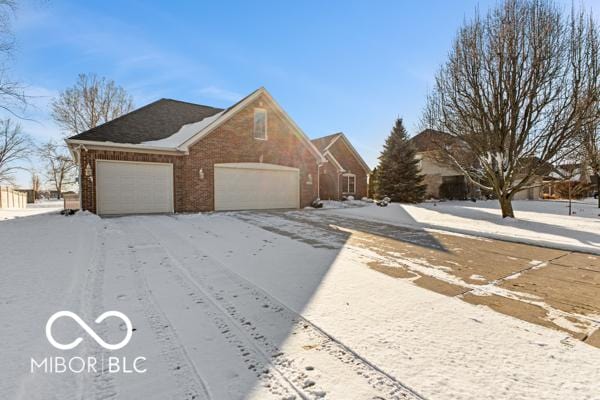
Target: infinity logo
[{"x": 89, "y": 330}]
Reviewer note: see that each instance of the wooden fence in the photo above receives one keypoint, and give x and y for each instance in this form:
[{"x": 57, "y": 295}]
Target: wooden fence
[
  {"x": 71, "y": 201},
  {"x": 10, "y": 198}
]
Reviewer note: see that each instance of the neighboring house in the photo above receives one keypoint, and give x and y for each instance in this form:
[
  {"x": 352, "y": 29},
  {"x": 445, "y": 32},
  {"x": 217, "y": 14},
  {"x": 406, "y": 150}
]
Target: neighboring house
[
  {"x": 346, "y": 173},
  {"x": 442, "y": 179},
  {"x": 581, "y": 176},
  {"x": 535, "y": 192},
  {"x": 445, "y": 180},
  {"x": 173, "y": 156}
]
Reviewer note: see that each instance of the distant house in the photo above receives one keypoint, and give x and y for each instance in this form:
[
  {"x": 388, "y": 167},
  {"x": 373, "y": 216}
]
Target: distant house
[
  {"x": 444, "y": 180},
  {"x": 581, "y": 177},
  {"x": 346, "y": 173}
]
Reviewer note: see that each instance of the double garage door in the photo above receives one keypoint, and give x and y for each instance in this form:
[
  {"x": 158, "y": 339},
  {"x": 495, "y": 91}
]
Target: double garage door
[
  {"x": 253, "y": 186},
  {"x": 140, "y": 188}
]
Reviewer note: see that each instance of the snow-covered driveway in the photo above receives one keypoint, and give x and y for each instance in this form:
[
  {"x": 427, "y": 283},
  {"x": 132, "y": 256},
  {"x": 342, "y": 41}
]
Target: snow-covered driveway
[{"x": 260, "y": 305}]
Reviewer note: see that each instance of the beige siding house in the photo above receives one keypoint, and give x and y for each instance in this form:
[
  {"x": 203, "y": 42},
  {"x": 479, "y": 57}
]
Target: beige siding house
[
  {"x": 444, "y": 180},
  {"x": 435, "y": 173}
]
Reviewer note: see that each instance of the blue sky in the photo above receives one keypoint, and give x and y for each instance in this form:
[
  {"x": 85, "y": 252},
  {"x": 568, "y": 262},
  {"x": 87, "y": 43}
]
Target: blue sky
[{"x": 334, "y": 66}]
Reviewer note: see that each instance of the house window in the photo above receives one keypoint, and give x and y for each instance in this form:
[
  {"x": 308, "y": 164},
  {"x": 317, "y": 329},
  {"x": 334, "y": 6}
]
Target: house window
[
  {"x": 260, "y": 124},
  {"x": 349, "y": 183}
]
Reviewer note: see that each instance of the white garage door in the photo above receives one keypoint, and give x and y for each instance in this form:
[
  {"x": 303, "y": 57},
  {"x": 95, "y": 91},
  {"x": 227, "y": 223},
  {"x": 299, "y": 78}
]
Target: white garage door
[
  {"x": 252, "y": 186},
  {"x": 133, "y": 187}
]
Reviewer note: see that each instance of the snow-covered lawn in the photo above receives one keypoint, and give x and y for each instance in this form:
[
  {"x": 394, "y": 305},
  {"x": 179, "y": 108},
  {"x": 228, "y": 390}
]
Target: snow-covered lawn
[
  {"x": 544, "y": 223},
  {"x": 32, "y": 209},
  {"x": 223, "y": 309}
]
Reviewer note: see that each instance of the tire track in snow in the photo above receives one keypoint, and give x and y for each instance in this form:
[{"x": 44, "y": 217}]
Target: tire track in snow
[
  {"x": 271, "y": 374},
  {"x": 381, "y": 381},
  {"x": 190, "y": 384},
  {"x": 103, "y": 384}
]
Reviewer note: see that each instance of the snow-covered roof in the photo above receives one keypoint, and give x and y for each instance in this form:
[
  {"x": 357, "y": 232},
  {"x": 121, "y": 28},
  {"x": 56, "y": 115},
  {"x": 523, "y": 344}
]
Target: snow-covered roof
[{"x": 185, "y": 133}]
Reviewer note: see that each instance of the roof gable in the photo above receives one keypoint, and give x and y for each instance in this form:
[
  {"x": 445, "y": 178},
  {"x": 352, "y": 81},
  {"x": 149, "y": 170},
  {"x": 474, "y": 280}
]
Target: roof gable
[
  {"x": 231, "y": 111},
  {"x": 322, "y": 142},
  {"x": 326, "y": 142}
]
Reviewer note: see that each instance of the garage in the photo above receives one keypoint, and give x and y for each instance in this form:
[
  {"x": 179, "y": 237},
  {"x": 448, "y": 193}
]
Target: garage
[
  {"x": 124, "y": 187},
  {"x": 251, "y": 186}
]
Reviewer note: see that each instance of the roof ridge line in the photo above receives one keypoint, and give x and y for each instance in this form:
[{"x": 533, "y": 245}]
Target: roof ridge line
[
  {"x": 189, "y": 102},
  {"x": 331, "y": 134},
  {"x": 115, "y": 119}
]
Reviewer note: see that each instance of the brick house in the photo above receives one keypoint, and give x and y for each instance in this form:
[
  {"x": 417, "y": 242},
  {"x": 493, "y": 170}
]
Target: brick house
[
  {"x": 172, "y": 156},
  {"x": 346, "y": 173}
]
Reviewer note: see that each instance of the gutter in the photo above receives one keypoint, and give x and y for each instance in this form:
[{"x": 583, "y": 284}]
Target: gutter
[{"x": 102, "y": 145}]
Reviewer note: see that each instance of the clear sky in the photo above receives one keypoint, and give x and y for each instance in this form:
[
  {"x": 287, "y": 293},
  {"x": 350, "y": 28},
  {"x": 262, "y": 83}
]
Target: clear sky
[{"x": 333, "y": 65}]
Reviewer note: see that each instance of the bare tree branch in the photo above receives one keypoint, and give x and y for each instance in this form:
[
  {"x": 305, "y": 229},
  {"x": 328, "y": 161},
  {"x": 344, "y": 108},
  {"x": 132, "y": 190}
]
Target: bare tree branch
[
  {"x": 15, "y": 146},
  {"x": 60, "y": 168},
  {"x": 519, "y": 86},
  {"x": 12, "y": 94},
  {"x": 90, "y": 102}
]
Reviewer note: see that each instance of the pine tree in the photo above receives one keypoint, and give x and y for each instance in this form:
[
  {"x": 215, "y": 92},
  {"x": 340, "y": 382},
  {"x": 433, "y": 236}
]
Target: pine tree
[
  {"x": 398, "y": 172},
  {"x": 373, "y": 183}
]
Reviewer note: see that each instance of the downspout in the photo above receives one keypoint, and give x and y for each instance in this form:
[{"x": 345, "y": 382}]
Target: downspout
[
  {"x": 598, "y": 187},
  {"x": 79, "y": 171},
  {"x": 319, "y": 181}
]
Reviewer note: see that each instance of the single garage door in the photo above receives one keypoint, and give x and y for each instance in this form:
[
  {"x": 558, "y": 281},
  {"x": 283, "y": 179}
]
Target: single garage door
[
  {"x": 133, "y": 187},
  {"x": 253, "y": 186}
]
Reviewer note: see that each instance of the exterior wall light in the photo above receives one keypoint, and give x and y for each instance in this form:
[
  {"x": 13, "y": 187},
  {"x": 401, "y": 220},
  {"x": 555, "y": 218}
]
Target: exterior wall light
[
  {"x": 201, "y": 174},
  {"x": 87, "y": 172}
]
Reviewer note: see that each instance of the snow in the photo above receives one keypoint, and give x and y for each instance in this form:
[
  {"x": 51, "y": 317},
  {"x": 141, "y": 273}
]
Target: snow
[
  {"x": 223, "y": 309},
  {"x": 184, "y": 133},
  {"x": 332, "y": 204},
  {"x": 543, "y": 222},
  {"x": 44, "y": 207}
]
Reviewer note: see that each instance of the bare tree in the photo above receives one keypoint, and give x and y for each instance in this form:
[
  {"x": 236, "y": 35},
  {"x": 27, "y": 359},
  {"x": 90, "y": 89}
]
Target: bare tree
[
  {"x": 89, "y": 103},
  {"x": 36, "y": 184},
  {"x": 12, "y": 95},
  {"x": 591, "y": 153},
  {"x": 15, "y": 146},
  {"x": 60, "y": 169},
  {"x": 518, "y": 87}
]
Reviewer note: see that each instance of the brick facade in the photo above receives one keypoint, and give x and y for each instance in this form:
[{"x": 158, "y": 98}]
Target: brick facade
[
  {"x": 232, "y": 142},
  {"x": 347, "y": 159}
]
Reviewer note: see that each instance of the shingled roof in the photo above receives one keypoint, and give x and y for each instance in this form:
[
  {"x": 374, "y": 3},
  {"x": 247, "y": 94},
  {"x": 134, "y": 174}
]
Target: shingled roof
[
  {"x": 430, "y": 139},
  {"x": 154, "y": 121}
]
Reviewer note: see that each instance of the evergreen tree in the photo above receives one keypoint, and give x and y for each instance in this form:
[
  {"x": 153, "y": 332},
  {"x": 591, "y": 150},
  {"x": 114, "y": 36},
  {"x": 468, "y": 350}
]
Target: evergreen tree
[
  {"x": 373, "y": 183},
  {"x": 398, "y": 171}
]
